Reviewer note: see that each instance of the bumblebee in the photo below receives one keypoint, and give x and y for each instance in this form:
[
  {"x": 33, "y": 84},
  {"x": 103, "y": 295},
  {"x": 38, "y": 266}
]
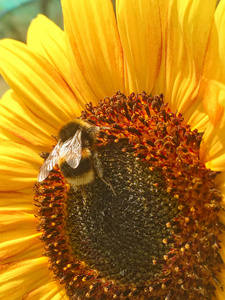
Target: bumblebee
[{"x": 76, "y": 155}]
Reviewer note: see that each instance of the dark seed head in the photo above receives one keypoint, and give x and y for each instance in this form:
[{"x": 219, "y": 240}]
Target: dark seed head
[{"x": 157, "y": 236}]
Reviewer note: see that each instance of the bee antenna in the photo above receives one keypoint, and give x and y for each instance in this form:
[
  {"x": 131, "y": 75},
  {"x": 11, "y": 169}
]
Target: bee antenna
[{"x": 99, "y": 172}]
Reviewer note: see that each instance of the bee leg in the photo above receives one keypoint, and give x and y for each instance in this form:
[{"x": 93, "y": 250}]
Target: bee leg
[
  {"x": 99, "y": 172},
  {"x": 83, "y": 192},
  {"x": 108, "y": 183}
]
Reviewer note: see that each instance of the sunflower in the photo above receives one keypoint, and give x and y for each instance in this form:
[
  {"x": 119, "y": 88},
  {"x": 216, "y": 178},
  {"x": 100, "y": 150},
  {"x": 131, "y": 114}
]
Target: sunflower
[{"x": 143, "y": 94}]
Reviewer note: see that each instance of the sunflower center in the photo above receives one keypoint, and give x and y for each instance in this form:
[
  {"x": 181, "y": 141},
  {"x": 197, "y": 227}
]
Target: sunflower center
[
  {"x": 144, "y": 223},
  {"x": 121, "y": 235}
]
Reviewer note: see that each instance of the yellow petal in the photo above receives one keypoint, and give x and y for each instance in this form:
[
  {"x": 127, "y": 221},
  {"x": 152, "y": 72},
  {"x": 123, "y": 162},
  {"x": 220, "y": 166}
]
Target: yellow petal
[
  {"x": 16, "y": 201},
  {"x": 220, "y": 25},
  {"x": 19, "y": 166},
  {"x": 46, "y": 38},
  {"x": 140, "y": 31},
  {"x": 213, "y": 143},
  {"x": 17, "y": 280},
  {"x": 22, "y": 248},
  {"x": 34, "y": 79},
  {"x": 212, "y": 65},
  {"x": 185, "y": 38},
  {"x": 50, "y": 291},
  {"x": 220, "y": 185},
  {"x": 24, "y": 124},
  {"x": 96, "y": 55},
  {"x": 196, "y": 116},
  {"x": 16, "y": 225}
]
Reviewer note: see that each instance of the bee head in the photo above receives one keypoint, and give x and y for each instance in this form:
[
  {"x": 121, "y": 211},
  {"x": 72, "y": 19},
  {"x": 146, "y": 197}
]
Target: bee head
[{"x": 87, "y": 135}]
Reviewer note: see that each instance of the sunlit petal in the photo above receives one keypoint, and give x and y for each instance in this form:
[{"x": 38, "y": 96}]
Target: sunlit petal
[
  {"x": 140, "y": 30},
  {"x": 96, "y": 57},
  {"x": 24, "y": 276},
  {"x": 19, "y": 166},
  {"x": 21, "y": 68},
  {"x": 47, "y": 39},
  {"x": 185, "y": 39},
  {"x": 213, "y": 143}
]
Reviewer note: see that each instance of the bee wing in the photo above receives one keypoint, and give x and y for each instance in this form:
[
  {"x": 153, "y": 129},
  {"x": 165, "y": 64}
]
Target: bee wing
[
  {"x": 49, "y": 163},
  {"x": 73, "y": 150}
]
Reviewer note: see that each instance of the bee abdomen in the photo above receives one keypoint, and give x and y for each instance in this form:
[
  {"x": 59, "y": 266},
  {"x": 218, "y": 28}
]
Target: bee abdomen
[{"x": 81, "y": 175}]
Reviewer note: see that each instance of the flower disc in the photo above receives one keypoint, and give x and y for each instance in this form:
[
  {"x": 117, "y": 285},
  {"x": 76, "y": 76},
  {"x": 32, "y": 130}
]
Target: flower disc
[{"x": 147, "y": 226}]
